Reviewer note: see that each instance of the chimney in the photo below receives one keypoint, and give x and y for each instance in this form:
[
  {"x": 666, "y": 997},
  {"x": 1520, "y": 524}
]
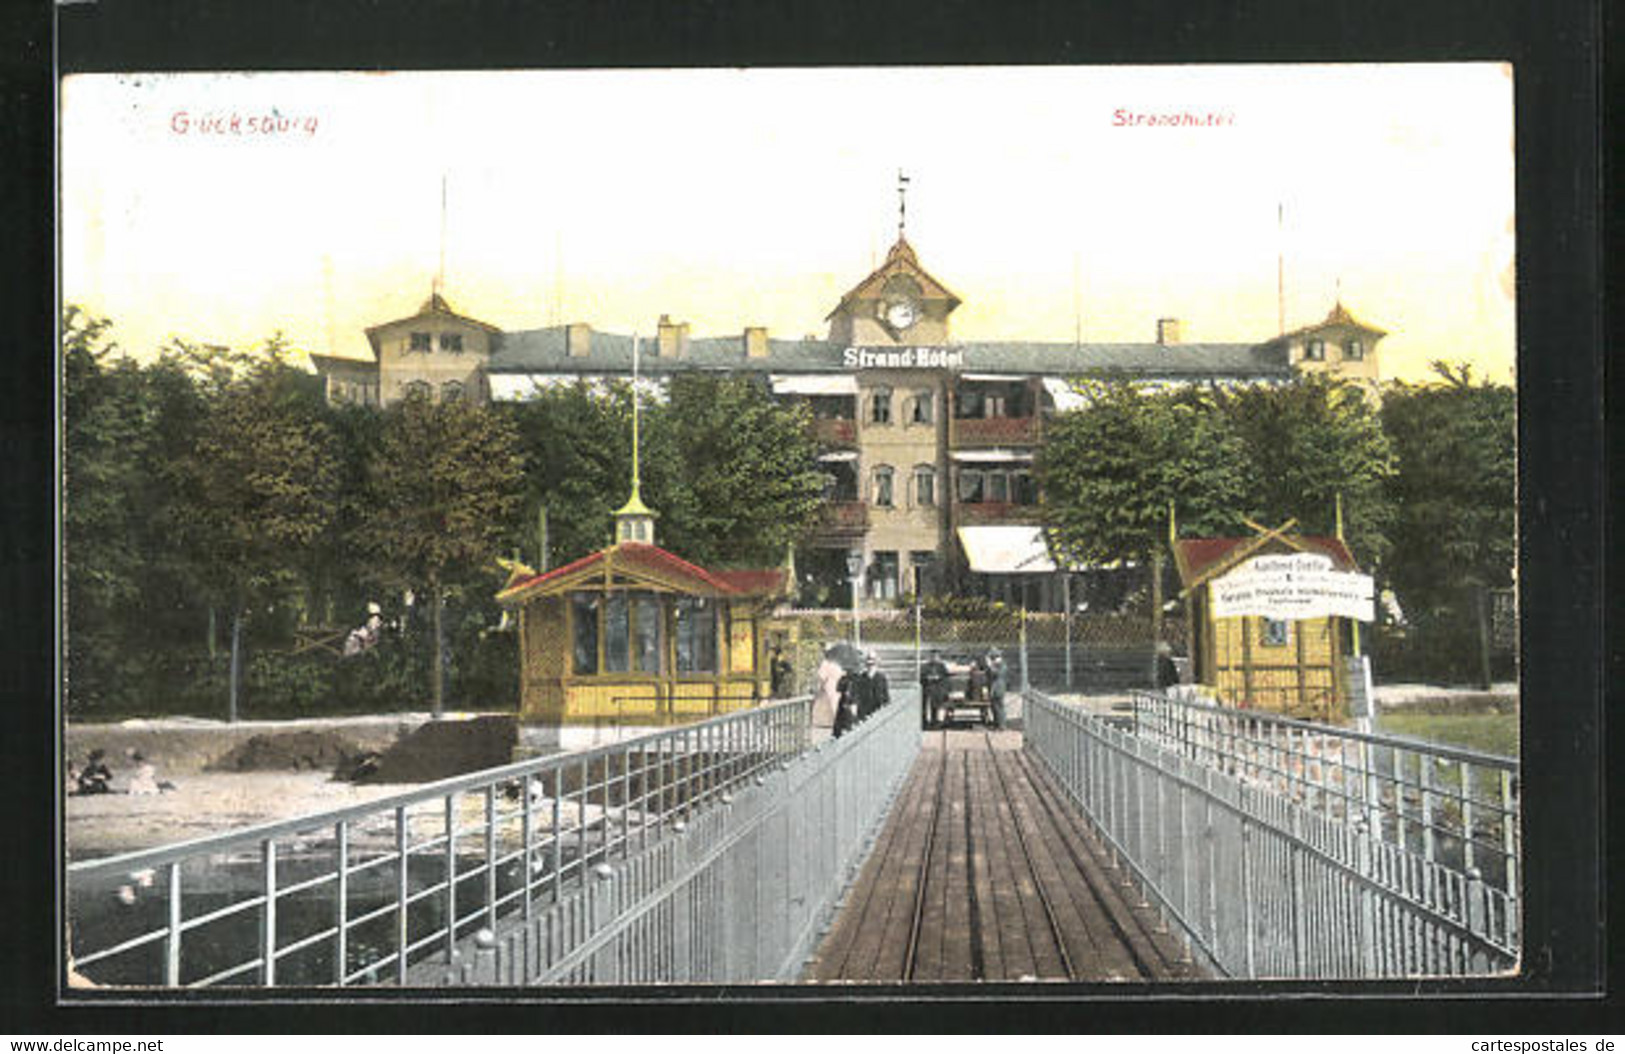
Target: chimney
[
  {"x": 673, "y": 338},
  {"x": 577, "y": 339},
  {"x": 1167, "y": 331},
  {"x": 755, "y": 342}
]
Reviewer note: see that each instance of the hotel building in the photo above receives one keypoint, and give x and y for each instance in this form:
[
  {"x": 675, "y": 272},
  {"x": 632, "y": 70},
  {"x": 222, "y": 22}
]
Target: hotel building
[{"x": 928, "y": 442}]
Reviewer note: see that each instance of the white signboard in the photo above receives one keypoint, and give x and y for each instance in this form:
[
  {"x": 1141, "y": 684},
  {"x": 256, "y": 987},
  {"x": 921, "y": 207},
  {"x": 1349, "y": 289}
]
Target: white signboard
[
  {"x": 914, "y": 358},
  {"x": 1301, "y": 585}
]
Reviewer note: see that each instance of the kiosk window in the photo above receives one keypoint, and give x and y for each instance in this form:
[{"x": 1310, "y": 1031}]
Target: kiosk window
[{"x": 584, "y": 619}]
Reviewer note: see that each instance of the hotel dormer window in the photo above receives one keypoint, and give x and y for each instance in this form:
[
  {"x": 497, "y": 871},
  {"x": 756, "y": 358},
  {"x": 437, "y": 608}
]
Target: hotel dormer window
[
  {"x": 451, "y": 342},
  {"x": 1354, "y": 350},
  {"x": 421, "y": 342},
  {"x": 1314, "y": 350}
]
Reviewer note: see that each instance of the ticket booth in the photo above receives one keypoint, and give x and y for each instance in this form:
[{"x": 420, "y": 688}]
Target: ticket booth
[
  {"x": 1268, "y": 619},
  {"x": 635, "y": 635}
]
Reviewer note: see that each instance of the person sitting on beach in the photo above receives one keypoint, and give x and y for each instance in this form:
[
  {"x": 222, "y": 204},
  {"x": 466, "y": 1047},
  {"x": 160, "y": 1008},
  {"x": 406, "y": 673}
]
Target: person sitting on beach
[
  {"x": 145, "y": 780},
  {"x": 96, "y": 777}
]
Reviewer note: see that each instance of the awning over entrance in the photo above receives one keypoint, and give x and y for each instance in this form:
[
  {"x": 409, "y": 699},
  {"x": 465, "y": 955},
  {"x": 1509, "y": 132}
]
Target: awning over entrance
[
  {"x": 1006, "y": 550},
  {"x": 993, "y": 455},
  {"x": 1061, "y": 391},
  {"x": 815, "y": 384}
]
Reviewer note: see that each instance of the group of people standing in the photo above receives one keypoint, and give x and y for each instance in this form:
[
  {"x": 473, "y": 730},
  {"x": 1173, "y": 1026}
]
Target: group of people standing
[
  {"x": 843, "y": 698},
  {"x": 986, "y": 680}
]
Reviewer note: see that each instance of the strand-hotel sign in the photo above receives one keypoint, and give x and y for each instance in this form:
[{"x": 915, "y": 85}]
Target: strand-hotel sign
[
  {"x": 913, "y": 358},
  {"x": 1298, "y": 586}
]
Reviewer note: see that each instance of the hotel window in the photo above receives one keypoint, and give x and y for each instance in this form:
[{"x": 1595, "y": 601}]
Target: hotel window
[
  {"x": 880, "y": 406},
  {"x": 451, "y": 392},
  {"x": 970, "y": 486},
  {"x": 883, "y": 486},
  {"x": 1314, "y": 350},
  {"x": 1275, "y": 633},
  {"x": 584, "y": 619},
  {"x": 883, "y": 576},
  {"x": 923, "y": 409},
  {"x": 451, "y": 342},
  {"x": 998, "y": 487},
  {"x": 421, "y": 342},
  {"x": 417, "y": 390},
  {"x": 1354, "y": 350},
  {"x": 1023, "y": 489},
  {"x": 925, "y": 485},
  {"x": 968, "y": 404},
  {"x": 696, "y": 635}
]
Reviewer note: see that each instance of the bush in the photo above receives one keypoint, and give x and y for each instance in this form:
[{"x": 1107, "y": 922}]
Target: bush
[{"x": 1439, "y": 647}]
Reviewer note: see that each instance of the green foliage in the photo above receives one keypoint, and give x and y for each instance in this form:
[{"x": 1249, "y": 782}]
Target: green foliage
[
  {"x": 1305, "y": 444},
  {"x": 1111, "y": 470},
  {"x": 577, "y": 450},
  {"x": 442, "y": 488},
  {"x": 260, "y": 477},
  {"x": 733, "y": 473},
  {"x": 1454, "y": 488}
]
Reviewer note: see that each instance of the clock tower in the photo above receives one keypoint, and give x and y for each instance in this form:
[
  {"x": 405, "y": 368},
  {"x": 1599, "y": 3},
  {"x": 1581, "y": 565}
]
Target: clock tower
[{"x": 898, "y": 305}]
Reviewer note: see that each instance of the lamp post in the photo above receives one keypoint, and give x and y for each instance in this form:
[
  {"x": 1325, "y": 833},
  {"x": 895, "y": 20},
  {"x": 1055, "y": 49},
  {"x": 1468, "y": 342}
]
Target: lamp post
[{"x": 854, "y": 573}]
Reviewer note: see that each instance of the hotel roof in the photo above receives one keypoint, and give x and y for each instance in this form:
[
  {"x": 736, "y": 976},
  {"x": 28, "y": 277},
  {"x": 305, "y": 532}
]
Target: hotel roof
[{"x": 545, "y": 351}]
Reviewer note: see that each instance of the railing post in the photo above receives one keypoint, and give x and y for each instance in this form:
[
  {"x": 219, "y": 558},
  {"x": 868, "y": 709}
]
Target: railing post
[
  {"x": 341, "y": 942},
  {"x": 1247, "y": 922},
  {"x": 558, "y": 834},
  {"x": 172, "y": 938},
  {"x": 451, "y": 879},
  {"x": 491, "y": 857},
  {"x": 527, "y": 844},
  {"x": 401, "y": 892},
  {"x": 268, "y": 912}
]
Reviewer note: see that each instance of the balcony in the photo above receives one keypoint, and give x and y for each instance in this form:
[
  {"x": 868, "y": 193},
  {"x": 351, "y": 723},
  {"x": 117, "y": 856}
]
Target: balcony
[
  {"x": 841, "y": 521},
  {"x": 994, "y": 431},
  {"x": 994, "y": 513},
  {"x": 835, "y": 431}
]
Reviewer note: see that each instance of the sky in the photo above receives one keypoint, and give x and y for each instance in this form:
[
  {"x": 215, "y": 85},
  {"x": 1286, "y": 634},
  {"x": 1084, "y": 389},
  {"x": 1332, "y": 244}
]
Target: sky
[{"x": 730, "y": 198}]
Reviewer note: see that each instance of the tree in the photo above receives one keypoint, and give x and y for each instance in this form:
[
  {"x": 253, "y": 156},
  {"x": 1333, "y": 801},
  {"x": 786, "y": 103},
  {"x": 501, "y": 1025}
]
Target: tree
[
  {"x": 443, "y": 489},
  {"x": 1455, "y": 491},
  {"x": 1308, "y": 444},
  {"x": 733, "y": 473},
  {"x": 130, "y": 584},
  {"x": 261, "y": 477},
  {"x": 577, "y": 447},
  {"x": 1112, "y": 470}
]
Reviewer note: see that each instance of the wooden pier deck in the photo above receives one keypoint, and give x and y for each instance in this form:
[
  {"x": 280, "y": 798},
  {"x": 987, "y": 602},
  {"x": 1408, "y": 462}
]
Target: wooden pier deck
[{"x": 984, "y": 872}]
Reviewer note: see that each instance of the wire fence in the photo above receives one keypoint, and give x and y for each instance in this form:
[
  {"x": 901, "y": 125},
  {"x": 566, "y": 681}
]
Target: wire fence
[{"x": 1094, "y": 654}]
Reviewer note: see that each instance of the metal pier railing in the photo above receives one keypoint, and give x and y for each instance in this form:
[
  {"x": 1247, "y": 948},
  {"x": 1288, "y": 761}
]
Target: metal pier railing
[
  {"x": 366, "y": 893},
  {"x": 1289, "y": 850}
]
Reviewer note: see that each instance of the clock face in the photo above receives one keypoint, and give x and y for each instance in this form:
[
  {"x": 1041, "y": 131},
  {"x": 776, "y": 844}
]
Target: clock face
[{"x": 902, "y": 313}]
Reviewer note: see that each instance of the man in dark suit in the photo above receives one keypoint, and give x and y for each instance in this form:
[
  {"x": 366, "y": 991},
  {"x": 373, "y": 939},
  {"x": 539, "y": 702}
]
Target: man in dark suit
[
  {"x": 933, "y": 690},
  {"x": 869, "y": 688}
]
